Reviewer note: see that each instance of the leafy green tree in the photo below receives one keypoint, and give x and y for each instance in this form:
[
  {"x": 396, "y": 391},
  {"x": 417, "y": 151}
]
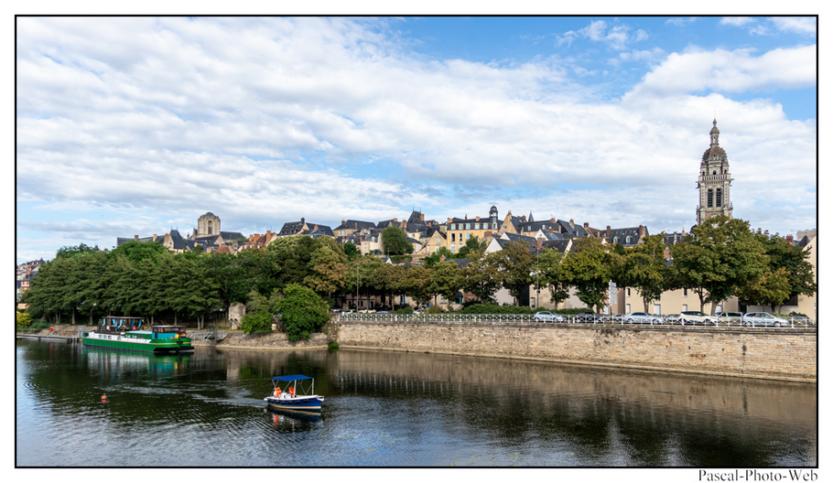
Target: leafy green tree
[
  {"x": 256, "y": 323},
  {"x": 643, "y": 267},
  {"x": 415, "y": 282},
  {"x": 473, "y": 249},
  {"x": 395, "y": 241},
  {"x": 351, "y": 250},
  {"x": 551, "y": 274},
  {"x": 136, "y": 250},
  {"x": 22, "y": 320},
  {"x": 363, "y": 276},
  {"x": 445, "y": 280},
  {"x": 514, "y": 263},
  {"x": 588, "y": 269},
  {"x": 327, "y": 269},
  {"x": 793, "y": 259},
  {"x": 482, "y": 278},
  {"x": 772, "y": 288},
  {"x": 302, "y": 312},
  {"x": 443, "y": 253},
  {"x": 719, "y": 259}
]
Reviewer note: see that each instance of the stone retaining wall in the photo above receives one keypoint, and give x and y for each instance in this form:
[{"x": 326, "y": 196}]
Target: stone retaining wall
[
  {"x": 273, "y": 341},
  {"x": 768, "y": 354}
]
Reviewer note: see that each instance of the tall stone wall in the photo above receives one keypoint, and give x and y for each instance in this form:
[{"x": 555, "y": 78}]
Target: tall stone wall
[{"x": 768, "y": 354}]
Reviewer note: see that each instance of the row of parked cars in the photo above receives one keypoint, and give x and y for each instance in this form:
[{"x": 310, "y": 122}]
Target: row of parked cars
[{"x": 690, "y": 317}]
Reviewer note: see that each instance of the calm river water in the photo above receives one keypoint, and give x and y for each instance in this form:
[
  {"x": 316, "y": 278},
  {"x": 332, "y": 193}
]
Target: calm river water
[{"x": 395, "y": 409}]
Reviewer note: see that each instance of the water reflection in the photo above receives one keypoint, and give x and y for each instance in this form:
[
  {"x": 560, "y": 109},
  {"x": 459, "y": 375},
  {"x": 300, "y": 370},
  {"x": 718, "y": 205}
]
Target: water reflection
[{"x": 398, "y": 409}]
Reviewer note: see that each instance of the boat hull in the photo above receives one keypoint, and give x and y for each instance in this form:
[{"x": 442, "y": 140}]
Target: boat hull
[
  {"x": 154, "y": 347},
  {"x": 301, "y": 403}
]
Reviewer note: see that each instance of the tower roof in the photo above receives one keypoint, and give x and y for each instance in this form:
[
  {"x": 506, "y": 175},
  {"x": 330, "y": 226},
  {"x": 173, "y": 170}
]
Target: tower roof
[{"x": 715, "y": 152}]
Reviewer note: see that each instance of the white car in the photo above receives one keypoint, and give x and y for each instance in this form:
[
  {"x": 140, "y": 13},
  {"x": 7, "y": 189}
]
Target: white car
[
  {"x": 692, "y": 317},
  {"x": 641, "y": 318},
  {"x": 729, "y": 318},
  {"x": 764, "y": 319},
  {"x": 547, "y": 317}
]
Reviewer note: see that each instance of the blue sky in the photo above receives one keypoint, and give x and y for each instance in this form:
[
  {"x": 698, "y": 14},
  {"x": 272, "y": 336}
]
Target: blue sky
[{"x": 134, "y": 126}]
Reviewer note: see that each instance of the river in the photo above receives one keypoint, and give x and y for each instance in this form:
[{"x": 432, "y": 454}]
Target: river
[{"x": 395, "y": 409}]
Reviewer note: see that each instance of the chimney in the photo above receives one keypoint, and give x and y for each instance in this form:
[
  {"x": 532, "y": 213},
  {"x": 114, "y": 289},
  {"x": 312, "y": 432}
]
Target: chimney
[
  {"x": 608, "y": 230},
  {"x": 552, "y": 219},
  {"x": 789, "y": 239},
  {"x": 154, "y": 237},
  {"x": 643, "y": 232},
  {"x": 135, "y": 237},
  {"x": 302, "y": 220},
  {"x": 585, "y": 225},
  {"x": 477, "y": 218},
  {"x": 449, "y": 220}
]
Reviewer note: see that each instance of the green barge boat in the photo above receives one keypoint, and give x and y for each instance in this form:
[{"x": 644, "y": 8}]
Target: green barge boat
[{"x": 128, "y": 333}]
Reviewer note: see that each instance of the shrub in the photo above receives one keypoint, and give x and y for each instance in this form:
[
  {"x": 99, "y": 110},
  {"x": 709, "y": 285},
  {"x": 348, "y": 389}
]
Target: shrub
[
  {"x": 332, "y": 346},
  {"x": 39, "y": 325},
  {"x": 434, "y": 309},
  {"x": 22, "y": 320},
  {"x": 256, "y": 323},
  {"x": 407, "y": 309},
  {"x": 302, "y": 312}
]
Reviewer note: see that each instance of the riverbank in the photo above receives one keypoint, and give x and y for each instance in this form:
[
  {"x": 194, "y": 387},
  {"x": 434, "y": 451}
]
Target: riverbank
[
  {"x": 276, "y": 341},
  {"x": 784, "y": 355}
]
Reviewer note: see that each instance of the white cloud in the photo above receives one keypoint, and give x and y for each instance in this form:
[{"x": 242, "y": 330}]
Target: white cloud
[
  {"x": 731, "y": 71},
  {"x": 736, "y": 21},
  {"x": 616, "y": 36},
  {"x": 802, "y": 25},
  {"x": 266, "y": 120}
]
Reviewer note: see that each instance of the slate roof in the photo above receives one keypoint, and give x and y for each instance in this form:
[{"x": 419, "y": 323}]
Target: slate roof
[
  {"x": 291, "y": 228},
  {"x": 179, "y": 242},
  {"x": 416, "y": 217},
  {"x": 387, "y": 223},
  {"x": 560, "y": 245},
  {"x": 545, "y": 225},
  {"x": 531, "y": 242},
  {"x": 316, "y": 230},
  {"x": 356, "y": 225},
  {"x": 621, "y": 234},
  {"x": 572, "y": 229},
  {"x": 232, "y": 236}
]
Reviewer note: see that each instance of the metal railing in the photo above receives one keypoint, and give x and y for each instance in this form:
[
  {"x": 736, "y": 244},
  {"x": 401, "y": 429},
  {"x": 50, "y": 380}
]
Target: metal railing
[{"x": 567, "y": 320}]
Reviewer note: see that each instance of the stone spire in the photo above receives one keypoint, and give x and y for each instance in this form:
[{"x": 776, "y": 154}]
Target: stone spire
[{"x": 715, "y": 134}]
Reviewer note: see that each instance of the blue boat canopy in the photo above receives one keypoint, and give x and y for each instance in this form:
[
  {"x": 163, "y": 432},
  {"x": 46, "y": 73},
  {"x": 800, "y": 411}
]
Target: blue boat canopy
[{"x": 294, "y": 377}]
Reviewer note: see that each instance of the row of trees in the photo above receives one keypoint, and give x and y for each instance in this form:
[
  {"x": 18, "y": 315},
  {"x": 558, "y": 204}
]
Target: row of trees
[{"x": 720, "y": 259}]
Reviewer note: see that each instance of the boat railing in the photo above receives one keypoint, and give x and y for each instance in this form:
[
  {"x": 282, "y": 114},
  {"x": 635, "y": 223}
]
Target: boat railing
[{"x": 794, "y": 323}]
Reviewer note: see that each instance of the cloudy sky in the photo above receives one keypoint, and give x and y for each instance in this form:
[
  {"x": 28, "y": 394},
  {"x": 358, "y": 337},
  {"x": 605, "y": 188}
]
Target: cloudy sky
[{"x": 138, "y": 125}]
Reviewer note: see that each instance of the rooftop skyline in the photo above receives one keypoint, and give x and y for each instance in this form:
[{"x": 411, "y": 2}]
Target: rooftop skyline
[{"x": 137, "y": 125}]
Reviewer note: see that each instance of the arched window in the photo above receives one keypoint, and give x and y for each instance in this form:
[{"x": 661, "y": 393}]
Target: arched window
[
  {"x": 710, "y": 198},
  {"x": 210, "y": 228},
  {"x": 615, "y": 240},
  {"x": 628, "y": 240},
  {"x": 719, "y": 197},
  {"x": 714, "y": 173}
]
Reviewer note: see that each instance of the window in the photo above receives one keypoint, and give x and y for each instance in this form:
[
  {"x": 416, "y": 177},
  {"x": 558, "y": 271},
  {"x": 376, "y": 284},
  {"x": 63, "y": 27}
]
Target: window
[
  {"x": 685, "y": 292},
  {"x": 710, "y": 198},
  {"x": 452, "y": 238},
  {"x": 628, "y": 308},
  {"x": 714, "y": 173},
  {"x": 719, "y": 200},
  {"x": 657, "y": 309},
  {"x": 615, "y": 240},
  {"x": 629, "y": 292},
  {"x": 628, "y": 239},
  {"x": 685, "y": 308}
]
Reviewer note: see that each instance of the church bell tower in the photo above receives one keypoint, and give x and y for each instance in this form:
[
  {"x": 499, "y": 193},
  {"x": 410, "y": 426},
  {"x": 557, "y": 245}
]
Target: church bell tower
[{"x": 714, "y": 182}]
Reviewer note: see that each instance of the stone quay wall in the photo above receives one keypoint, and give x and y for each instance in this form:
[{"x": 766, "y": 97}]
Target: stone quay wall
[{"x": 778, "y": 354}]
